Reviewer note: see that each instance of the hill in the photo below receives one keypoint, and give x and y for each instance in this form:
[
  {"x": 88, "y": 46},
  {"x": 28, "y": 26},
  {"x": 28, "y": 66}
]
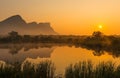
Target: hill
[{"x": 18, "y": 24}]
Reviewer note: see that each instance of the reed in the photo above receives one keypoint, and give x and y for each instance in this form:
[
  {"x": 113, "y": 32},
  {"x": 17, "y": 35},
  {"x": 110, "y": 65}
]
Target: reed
[
  {"x": 87, "y": 69},
  {"x": 44, "y": 69}
]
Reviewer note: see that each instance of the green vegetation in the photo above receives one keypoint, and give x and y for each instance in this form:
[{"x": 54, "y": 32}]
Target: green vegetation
[
  {"x": 14, "y": 37},
  {"x": 88, "y": 70},
  {"x": 97, "y": 41},
  {"x": 44, "y": 69},
  {"x": 79, "y": 70},
  {"x": 100, "y": 43}
]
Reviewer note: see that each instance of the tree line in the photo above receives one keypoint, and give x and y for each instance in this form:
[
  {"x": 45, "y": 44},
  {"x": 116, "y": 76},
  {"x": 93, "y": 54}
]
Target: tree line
[{"x": 97, "y": 41}]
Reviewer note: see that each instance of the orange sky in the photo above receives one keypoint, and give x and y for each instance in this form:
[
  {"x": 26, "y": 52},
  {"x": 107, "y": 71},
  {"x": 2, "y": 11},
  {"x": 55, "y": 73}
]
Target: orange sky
[{"x": 80, "y": 17}]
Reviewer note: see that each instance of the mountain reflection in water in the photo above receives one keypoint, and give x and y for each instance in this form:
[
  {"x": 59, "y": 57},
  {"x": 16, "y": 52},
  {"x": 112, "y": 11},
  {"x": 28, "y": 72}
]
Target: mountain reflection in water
[
  {"x": 19, "y": 52},
  {"x": 61, "y": 55}
]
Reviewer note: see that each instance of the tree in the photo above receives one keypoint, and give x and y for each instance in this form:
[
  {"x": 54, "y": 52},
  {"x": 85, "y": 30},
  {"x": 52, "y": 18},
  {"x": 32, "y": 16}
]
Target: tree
[
  {"x": 13, "y": 34},
  {"x": 97, "y": 34},
  {"x": 14, "y": 37}
]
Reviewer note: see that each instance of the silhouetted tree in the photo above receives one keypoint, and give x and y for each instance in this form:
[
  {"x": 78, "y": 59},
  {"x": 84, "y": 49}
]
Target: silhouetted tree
[
  {"x": 97, "y": 34},
  {"x": 14, "y": 37},
  {"x": 13, "y": 34}
]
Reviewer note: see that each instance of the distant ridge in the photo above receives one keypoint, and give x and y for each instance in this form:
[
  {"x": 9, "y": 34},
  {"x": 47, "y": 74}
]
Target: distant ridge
[
  {"x": 18, "y": 24},
  {"x": 17, "y": 19}
]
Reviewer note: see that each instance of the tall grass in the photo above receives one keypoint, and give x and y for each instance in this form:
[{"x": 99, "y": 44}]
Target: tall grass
[
  {"x": 89, "y": 70},
  {"x": 44, "y": 69},
  {"x": 79, "y": 70},
  {"x": 105, "y": 70},
  {"x": 6, "y": 71}
]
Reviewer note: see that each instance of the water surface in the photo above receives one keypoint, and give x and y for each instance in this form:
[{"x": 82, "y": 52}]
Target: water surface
[{"x": 61, "y": 55}]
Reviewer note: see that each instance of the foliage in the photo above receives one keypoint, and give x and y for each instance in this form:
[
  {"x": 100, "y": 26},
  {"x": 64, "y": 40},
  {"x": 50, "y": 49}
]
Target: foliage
[
  {"x": 97, "y": 41},
  {"x": 45, "y": 69},
  {"x": 88, "y": 70}
]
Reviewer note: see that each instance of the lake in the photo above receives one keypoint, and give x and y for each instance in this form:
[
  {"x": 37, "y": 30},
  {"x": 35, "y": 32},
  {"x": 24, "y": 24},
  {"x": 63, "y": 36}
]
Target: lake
[{"x": 61, "y": 55}]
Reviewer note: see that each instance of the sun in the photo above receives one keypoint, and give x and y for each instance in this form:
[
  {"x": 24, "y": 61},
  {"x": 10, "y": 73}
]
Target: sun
[{"x": 100, "y": 26}]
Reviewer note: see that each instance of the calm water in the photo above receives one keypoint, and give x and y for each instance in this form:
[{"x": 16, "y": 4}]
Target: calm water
[{"x": 61, "y": 55}]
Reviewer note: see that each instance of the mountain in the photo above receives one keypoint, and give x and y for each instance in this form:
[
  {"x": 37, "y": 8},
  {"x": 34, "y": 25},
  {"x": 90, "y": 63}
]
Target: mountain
[{"x": 17, "y": 23}]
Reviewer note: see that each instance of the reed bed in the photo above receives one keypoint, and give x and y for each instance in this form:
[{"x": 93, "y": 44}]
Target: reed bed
[
  {"x": 89, "y": 70},
  {"x": 44, "y": 69}
]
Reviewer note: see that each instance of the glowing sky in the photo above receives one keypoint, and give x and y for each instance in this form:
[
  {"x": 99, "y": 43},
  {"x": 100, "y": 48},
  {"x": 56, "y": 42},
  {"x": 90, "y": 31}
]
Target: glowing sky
[{"x": 68, "y": 16}]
